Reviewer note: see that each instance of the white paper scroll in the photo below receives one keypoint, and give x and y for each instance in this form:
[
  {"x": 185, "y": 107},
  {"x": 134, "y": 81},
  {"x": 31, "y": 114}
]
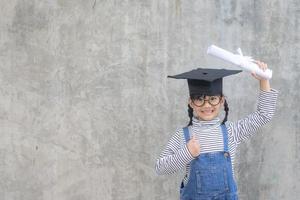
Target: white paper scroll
[{"x": 245, "y": 62}]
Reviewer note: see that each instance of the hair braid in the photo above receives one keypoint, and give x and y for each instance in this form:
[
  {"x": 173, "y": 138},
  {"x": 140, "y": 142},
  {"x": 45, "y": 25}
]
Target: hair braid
[
  {"x": 190, "y": 111},
  {"x": 226, "y": 108}
]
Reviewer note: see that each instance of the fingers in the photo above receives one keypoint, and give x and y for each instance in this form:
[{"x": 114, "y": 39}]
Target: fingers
[
  {"x": 261, "y": 65},
  {"x": 255, "y": 76}
]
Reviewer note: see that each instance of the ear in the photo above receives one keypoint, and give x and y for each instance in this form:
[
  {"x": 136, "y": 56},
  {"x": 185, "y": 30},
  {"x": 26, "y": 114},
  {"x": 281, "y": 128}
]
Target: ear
[
  {"x": 190, "y": 102},
  {"x": 222, "y": 100}
]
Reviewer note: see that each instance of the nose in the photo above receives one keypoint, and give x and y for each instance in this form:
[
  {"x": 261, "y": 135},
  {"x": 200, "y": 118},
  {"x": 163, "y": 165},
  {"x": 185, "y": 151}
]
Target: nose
[{"x": 206, "y": 104}]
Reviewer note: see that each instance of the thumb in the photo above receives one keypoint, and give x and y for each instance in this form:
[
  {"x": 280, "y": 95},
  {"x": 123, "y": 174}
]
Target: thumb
[
  {"x": 194, "y": 137},
  {"x": 255, "y": 76}
]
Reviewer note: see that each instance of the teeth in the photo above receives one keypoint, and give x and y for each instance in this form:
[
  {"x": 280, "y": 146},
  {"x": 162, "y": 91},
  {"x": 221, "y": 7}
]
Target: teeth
[{"x": 207, "y": 111}]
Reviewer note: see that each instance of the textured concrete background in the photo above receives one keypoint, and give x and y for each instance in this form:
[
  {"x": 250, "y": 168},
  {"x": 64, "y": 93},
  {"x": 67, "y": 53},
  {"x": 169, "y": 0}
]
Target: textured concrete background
[{"x": 85, "y": 106}]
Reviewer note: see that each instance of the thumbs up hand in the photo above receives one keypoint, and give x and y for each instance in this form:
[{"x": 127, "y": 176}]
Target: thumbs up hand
[{"x": 194, "y": 146}]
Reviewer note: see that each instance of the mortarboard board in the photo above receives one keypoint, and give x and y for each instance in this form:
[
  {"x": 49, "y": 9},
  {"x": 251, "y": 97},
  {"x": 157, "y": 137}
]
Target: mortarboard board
[{"x": 203, "y": 81}]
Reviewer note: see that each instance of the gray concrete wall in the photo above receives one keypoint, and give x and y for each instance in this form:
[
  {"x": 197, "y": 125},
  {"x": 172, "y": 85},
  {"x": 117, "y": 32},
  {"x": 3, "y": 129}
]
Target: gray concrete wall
[{"x": 85, "y": 106}]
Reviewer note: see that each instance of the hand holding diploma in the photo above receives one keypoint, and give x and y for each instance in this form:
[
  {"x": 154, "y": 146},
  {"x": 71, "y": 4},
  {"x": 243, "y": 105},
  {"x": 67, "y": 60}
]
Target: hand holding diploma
[
  {"x": 264, "y": 83},
  {"x": 245, "y": 62}
]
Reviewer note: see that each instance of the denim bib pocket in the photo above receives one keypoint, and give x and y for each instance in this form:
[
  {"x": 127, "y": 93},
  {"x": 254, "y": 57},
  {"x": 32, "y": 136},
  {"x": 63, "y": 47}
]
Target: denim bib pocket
[{"x": 212, "y": 179}]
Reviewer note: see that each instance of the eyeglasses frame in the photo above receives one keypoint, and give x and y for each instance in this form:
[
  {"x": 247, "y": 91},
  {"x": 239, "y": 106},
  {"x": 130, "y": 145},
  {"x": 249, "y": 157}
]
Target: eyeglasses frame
[{"x": 220, "y": 98}]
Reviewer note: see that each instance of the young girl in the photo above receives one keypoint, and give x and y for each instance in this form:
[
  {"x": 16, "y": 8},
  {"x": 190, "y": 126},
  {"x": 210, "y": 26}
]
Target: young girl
[{"x": 206, "y": 147}]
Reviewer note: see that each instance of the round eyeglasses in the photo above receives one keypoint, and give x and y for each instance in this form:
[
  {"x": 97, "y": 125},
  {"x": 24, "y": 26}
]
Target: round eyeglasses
[{"x": 200, "y": 100}]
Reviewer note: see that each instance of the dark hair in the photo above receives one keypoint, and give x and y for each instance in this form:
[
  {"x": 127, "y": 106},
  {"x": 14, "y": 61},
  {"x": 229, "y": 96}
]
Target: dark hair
[
  {"x": 190, "y": 110},
  {"x": 226, "y": 108}
]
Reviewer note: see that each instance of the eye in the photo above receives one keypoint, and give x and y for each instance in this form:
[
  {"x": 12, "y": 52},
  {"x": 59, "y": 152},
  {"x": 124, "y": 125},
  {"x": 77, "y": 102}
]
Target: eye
[
  {"x": 199, "y": 98},
  {"x": 213, "y": 98}
]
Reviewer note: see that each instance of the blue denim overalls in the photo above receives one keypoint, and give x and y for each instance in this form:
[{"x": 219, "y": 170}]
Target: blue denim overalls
[{"x": 211, "y": 176}]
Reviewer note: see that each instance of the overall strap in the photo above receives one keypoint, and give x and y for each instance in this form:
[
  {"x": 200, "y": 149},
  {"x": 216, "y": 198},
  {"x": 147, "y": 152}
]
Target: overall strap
[
  {"x": 186, "y": 134},
  {"x": 225, "y": 137},
  {"x": 187, "y": 138}
]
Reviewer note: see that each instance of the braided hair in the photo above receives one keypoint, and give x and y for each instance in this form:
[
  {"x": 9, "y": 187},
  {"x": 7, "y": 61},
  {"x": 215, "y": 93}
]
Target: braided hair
[
  {"x": 226, "y": 109},
  {"x": 190, "y": 112}
]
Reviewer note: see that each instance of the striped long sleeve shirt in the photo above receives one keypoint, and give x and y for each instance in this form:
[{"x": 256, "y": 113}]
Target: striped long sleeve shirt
[{"x": 176, "y": 155}]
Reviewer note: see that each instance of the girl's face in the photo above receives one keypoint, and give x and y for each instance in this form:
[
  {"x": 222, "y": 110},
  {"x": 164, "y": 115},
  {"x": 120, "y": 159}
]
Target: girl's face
[{"x": 206, "y": 107}]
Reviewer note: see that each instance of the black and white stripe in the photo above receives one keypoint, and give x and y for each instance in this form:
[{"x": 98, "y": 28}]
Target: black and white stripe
[{"x": 176, "y": 155}]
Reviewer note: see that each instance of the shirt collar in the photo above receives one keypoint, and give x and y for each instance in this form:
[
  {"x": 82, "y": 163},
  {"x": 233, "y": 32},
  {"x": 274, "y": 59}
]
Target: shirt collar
[{"x": 205, "y": 124}]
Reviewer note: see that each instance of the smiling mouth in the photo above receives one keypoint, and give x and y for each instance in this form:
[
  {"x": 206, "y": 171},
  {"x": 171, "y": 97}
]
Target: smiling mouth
[{"x": 207, "y": 112}]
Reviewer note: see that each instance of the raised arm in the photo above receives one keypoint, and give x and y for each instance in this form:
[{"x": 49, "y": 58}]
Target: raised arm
[{"x": 244, "y": 128}]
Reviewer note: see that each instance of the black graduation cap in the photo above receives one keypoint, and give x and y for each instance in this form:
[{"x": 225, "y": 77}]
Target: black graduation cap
[{"x": 203, "y": 81}]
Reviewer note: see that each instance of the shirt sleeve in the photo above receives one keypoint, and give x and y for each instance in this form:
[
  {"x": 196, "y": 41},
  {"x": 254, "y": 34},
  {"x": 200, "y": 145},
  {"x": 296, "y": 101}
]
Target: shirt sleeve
[
  {"x": 246, "y": 127},
  {"x": 174, "y": 157}
]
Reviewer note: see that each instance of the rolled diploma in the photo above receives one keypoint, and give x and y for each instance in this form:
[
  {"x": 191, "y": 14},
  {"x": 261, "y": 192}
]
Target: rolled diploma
[{"x": 244, "y": 62}]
